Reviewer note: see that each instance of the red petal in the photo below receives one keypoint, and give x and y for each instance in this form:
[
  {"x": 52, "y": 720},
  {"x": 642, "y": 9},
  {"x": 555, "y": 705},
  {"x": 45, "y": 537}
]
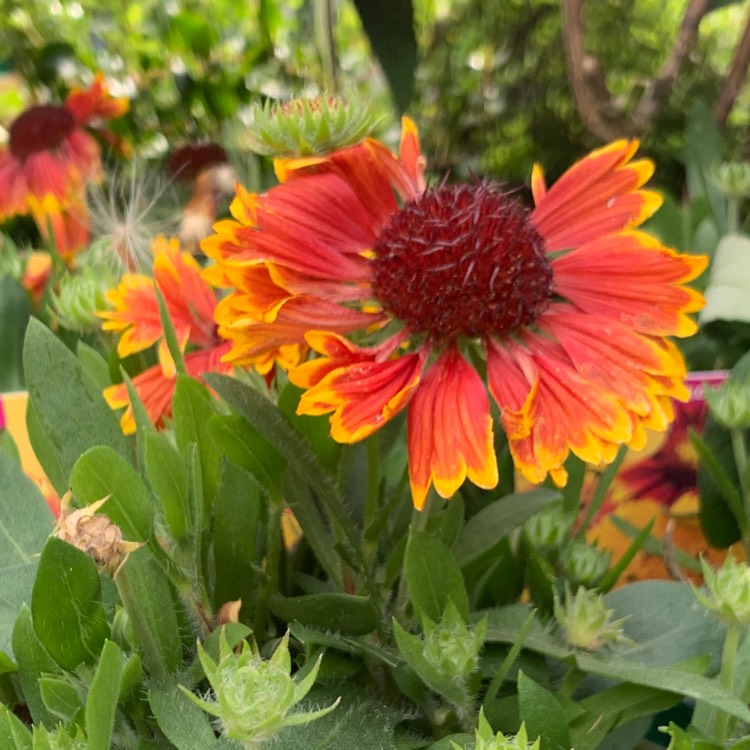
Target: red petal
[{"x": 450, "y": 430}]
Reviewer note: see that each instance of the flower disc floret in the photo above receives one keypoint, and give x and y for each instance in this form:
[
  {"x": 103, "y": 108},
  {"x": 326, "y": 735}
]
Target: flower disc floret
[
  {"x": 462, "y": 261},
  {"x": 40, "y": 128}
]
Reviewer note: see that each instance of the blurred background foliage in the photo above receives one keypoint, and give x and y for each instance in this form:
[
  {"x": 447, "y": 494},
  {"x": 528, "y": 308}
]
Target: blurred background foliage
[{"x": 487, "y": 82}]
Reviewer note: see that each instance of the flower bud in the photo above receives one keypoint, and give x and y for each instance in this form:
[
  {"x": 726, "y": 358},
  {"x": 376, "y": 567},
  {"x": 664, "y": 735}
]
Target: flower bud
[
  {"x": 732, "y": 178},
  {"x": 58, "y": 738},
  {"x": 487, "y": 740},
  {"x": 728, "y": 591},
  {"x": 586, "y": 621},
  {"x": 79, "y": 297},
  {"x": 729, "y": 403},
  {"x": 306, "y": 127},
  {"x": 451, "y": 646},
  {"x": 254, "y": 698},
  {"x": 584, "y": 564},
  {"x": 548, "y": 529}
]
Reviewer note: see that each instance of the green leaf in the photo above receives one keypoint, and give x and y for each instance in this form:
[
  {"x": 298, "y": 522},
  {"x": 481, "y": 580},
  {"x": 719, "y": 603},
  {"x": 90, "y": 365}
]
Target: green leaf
[
  {"x": 242, "y": 443},
  {"x": 346, "y": 613},
  {"x": 543, "y": 714},
  {"x": 96, "y": 366},
  {"x": 101, "y": 701},
  {"x": 358, "y": 646},
  {"x": 411, "y": 648},
  {"x": 505, "y": 623},
  {"x": 66, "y": 605},
  {"x": 237, "y": 510},
  {"x": 703, "y": 151},
  {"x": 44, "y": 450},
  {"x": 148, "y": 598},
  {"x": 722, "y": 514},
  {"x": 184, "y": 724},
  {"x": 434, "y": 577},
  {"x": 168, "y": 476},
  {"x": 68, "y": 403},
  {"x": 303, "y": 465},
  {"x": 13, "y": 732},
  {"x": 15, "y": 310},
  {"x": 100, "y": 472},
  {"x": 192, "y": 407},
  {"x": 33, "y": 661},
  {"x": 485, "y": 530},
  {"x": 25, "y": 524},
  {"x": 60, "y": 698},
  {"x": 170, "y": 335},
  {"x": 390, "y": 27}
]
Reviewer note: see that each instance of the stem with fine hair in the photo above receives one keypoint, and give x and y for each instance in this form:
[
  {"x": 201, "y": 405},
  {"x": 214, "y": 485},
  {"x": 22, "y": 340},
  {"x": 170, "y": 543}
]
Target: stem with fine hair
[{"x": 724, "y": 722}]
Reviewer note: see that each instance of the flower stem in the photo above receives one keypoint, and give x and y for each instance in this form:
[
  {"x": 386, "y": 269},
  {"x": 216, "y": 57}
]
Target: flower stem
[
  {"x": 269, "y": 582},
  {"x": 372, "y": 499},
  {"x": 733, "y": 215},
  {"x": 724, "y": 722},
  {"x": 419, "y": 520},
  {"x": 152, "y": 655},
  {"x": 740, "y": 460}
]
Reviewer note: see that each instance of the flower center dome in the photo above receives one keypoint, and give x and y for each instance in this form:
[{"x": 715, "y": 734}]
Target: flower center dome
[
  {"x": 462, "y": 261},
  {"x": 40, "y": 128}
]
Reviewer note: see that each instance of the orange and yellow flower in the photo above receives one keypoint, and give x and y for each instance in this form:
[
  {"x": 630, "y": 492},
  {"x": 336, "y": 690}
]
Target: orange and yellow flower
[
  {"x": 190, "y": 303},
  {"x": 50, "y": 157},
  {"x": 436, "y": 300}
]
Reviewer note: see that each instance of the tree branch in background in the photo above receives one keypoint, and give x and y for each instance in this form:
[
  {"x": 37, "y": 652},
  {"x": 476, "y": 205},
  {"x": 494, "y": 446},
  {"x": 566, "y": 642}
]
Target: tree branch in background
[
  {"x": 733, "y": 82},
  {"x": 586, "y": 78},
  {"x": 658, "y": 90},
  {"x": 587, "y": 81}
]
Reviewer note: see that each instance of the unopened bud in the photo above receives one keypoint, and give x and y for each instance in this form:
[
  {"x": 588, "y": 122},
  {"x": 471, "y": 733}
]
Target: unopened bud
[
  {"x": 307, "y": 127},
  {"x": 728, "y": 591},
  {"x": 586, "y": 621},
  {"x": 486, "y": 739},
  {"x": 451, "y": 646},
  {"x": 732, "y": 178},
  {"x": 584, "y": 564}
]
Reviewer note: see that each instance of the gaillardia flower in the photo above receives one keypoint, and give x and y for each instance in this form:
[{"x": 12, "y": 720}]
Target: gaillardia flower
[
  {"x": 433, "y": 299},
  {"x": 50, "y": 157},
  {"x": 190, "y": 303}
]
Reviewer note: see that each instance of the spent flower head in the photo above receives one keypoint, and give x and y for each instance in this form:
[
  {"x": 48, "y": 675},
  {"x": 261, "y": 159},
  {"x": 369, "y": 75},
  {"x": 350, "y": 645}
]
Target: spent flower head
[
  {"x": 728, "y": 591},
  {"x": 451, "y": 646},
  {"x": 486, "y": 739},
  {"x": 253, "y": 698},
  {"x": 94, "y": 534},
  {"x": 309, "y": 126},
  {"x": 586, "y": 621}
]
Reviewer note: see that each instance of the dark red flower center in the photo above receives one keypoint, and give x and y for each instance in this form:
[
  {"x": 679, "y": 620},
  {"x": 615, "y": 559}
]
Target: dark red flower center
[
  {"x": 462, "y": 261},
  {"x": 40, "y": 128}
]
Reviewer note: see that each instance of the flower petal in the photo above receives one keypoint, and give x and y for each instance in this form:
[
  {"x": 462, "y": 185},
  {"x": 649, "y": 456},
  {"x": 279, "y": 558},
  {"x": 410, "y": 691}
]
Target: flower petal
[
  {"x": 632, "y": 279},
  {"x": 363, "y": 396},
  {"x": 597, "y": 195},
  {"x": 450, "y": 430}
]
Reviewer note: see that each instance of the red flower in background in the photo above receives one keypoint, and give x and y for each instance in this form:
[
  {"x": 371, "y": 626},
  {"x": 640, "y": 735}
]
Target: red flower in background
[{"x": 50, "y": 157}]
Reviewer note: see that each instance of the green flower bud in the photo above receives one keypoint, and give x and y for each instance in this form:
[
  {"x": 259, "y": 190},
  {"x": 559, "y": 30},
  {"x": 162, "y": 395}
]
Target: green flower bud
[
  {"x": 586, "y": 621},
  {"x": 487, "y": 740},
  {"x": 79, "y": 297},
  {"x": 732, "y": 178},
  {"x": 451, "y": 646},
  {"x": 548, "y": 528},
  {"x": 58, "y": 739},
  {"x": 728, "y": 595},
  {"x": 729, "y": 403},
  {"x": 584, "y": 564},
  {"x": 307, "y": 127},
  {"x": 254, "y": 698}
]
